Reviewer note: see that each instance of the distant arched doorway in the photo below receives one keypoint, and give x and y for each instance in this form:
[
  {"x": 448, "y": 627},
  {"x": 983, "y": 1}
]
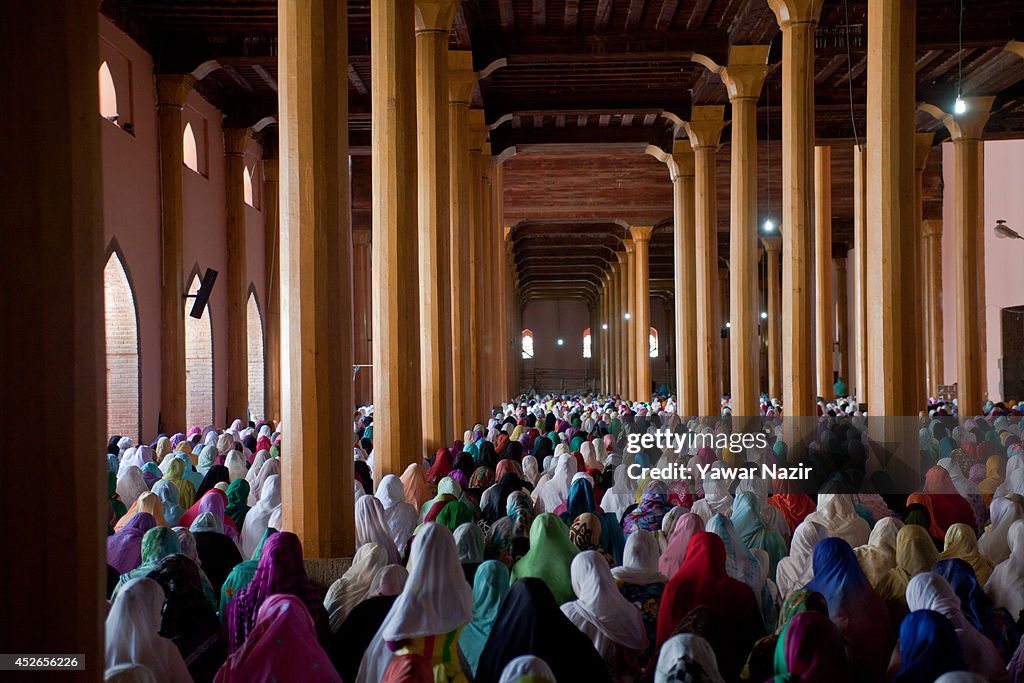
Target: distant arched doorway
[
  {"x": 121, "y": 322},
  {"x": 254, "y": 340},
  {"x": 198, "y": 362}
]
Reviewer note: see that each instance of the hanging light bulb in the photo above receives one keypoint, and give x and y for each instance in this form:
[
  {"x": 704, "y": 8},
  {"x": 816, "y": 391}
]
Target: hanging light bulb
[
  {"x": 764, "y": 315},
  {"x": 627, "y": 316},
  {"x": 604, "y": 326},
  {"x": 561, "y": 342},
  {"x": 769, "y": 226},
  {"x": 959, "y": 107},
  {"x": 728, "y": 324}
]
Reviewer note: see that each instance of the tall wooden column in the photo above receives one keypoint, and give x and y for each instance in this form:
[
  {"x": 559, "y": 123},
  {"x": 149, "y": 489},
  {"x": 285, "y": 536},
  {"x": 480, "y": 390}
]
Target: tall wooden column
[
  {"x": 891, "y": 229},
  {"x": 932, "y": 230},
  {"x": 272, "y": 308},
  {"x": 631, "y": 322},
  {"x": 474, "y": 244},
  {"x": 705, "y": 132},
  {"x": 362, "y": 304},
  {"x": 235, "y": 141},
  {"x": 621, "y": 323},
  {"x": 824, "y": 311},
  {"x": 668, "y": 348},
  {"x": 316, "y": 281},
  {"x": 772, "y": 245},
  {"x": 724, "y": 294},
  {"x": 743, "y": 79},
  {"x": 172, "y": 92},
  {"x": 461, "y": 81},
  {"x": 396, "y": 275},
  {"x": 966, "y": 130},
  {"x": 52, "y": 351},
  {"x": 433, "y": 23},
  {"x": 798, "y": 20},
  {"x": 684, "y": 258},
  {"x": 641, "y": 246},
  {"x": 842, "y": 313},
  {"x": 860, "y": 273},
  {"x": 922, "y": 150},
  {"x": 609, "y": 349}
]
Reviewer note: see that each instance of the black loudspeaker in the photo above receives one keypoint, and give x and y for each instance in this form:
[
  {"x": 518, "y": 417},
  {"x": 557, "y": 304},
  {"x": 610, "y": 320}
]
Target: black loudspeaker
[{"x": 202, "y": 297}]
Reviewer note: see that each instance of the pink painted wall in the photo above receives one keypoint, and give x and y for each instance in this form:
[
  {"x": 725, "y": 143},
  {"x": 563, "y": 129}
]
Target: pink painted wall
[
  {"x": 131, "y": 199},
  {"x": 131, "y": 193},
  {"x": 1004, "y": 259}
]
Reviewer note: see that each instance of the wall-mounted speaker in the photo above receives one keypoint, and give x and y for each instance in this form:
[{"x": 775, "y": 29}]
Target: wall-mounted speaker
[{"x": 202, "y": 297}]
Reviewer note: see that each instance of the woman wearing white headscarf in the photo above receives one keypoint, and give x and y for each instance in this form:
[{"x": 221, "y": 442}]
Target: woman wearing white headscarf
[
  {"x": 401, "y": 517},
  {"x": 879, "y": 555},
  {"x": 531, "y": 470},
  {"x": 431, "y": 604},
  {"x": 258, "y": 517},
  {"x": 527, "y": 668},
  {"x": 388, "y": 580},
  {"x": 621, "y": 495},
  {"x": 550, "y": 494},
  {"x": 930, "y": 591},
  {"x": 640, "y": 561},
  {"x": 235, "y": 463},
  {"x": 1004, "y": 586},
  {"x": 687, "y": 657},
  {"x": 371, "y": 527},
  {"x": 270, "y": 469},
  {"x": 797, "y": 569},
  {"x": 353, "y": 586},
  {"x": 611, "y": 622},
  {"x": 130, "y": 485},
  {"x": 836, "y": 513},
  {"x": 993, "y": 543},
  {"x": 717, "y": 500},
  {"x": 590, "y": 459},
  {"x": 257, "y": 464},
  {"x": 133, "y": 636}
]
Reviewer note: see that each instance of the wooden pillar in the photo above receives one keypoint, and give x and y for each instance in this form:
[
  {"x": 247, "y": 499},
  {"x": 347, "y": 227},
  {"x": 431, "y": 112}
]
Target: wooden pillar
[
  {"x": 362, "y": 304},
  {"x": 798, "y": 20},
  {"x": 622, "y": 310},
  {"x": 477, "y": 143},
  {"x": 668, "y": 348},
  {"x": 433, "y": 23},
  {"x": 316, "y": 266},
  {"x": 891, "y": 228},
  {"x": 461, "y": 82},
  {"x": 684, "y": 258},
  {"x": 630, "y": 326},
  {"x": 922, "y": 149},
  {"x": 842, "y": 313},
  {"x": 933, "y": 302},
  {"x": 725, "y": 371},
  {"x": 235, "y": 142},
  {"x": 772, "y": 245},
  {"x": 860, "y": 273},
  {"x": 966, "y": 130},
  {"x": 743, "y": 79},
  {"x": 172, "y": 91},
  {"x": 272, "y": 309},
  {"x": 52, "y": 352},
  {"x": 608, "y": 327},
  {"x": 641, "y": 246},
  {"x": 396, "y": 276},
  {"x": 825, "y": 310},
  {"x": 705, "y": 132}
]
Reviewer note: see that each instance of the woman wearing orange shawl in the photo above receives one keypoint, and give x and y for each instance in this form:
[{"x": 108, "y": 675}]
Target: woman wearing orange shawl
[
  {"x": 947, "y": 503},
  {"x": 417, "y": 491},
  {"x": 925, "y": 501},
  {"x": 791, "y": 502},
  {"x": 147, "y": 502},
  {"x": 995, "y": 474}
]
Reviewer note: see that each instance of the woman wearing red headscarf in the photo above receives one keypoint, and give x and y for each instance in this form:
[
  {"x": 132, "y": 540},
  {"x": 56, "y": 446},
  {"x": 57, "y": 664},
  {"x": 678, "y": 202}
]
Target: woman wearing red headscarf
[{"x": 948, "y": 505}]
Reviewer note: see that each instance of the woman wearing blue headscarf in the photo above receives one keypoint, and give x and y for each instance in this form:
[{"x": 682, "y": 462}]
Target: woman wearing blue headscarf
[
  {"x": 928, "y": 648},
  {"x": 853, "y": 605}
]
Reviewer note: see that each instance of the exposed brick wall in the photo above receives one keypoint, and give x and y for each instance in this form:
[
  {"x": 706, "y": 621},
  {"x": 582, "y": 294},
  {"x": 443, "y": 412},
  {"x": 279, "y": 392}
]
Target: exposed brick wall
[
  {"x": 254, "y": 337},
  {"x": 198, "y": 364},
  {"x": 122, "y": 330}
]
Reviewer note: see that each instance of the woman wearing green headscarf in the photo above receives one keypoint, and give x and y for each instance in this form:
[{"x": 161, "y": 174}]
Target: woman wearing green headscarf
[
  {"x": 455, "y": 514},
  {"x": 761, "y": 662},
  {"x": 206, "y": 459},
  {"x": 550, "y": 556},
  {"x": 489, "y": 587},
  {"x": 241, "y": 575},
  {"x": 158, "y": 543},
  {"x": 811, "y": 648},
  {"x": 238, "y": 495}
]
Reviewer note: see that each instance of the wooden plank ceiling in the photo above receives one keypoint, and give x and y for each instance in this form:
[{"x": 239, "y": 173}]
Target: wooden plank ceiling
[{"x": 575, "y": 90}]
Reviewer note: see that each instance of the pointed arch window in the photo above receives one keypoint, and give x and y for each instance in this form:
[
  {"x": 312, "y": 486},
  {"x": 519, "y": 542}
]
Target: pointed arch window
[
  {"x": 254, "y": 338},
  {"x": 247, "y": 193},
  {"x": 587, "y": 348},
  {"x": 199, "y": 377},
  {"x": 527, "y": 344},
  {"x": 189, "y": 148},
  {"x": 653, "y": 343},
  {"x": 121, "y": 322},
  {"x": 108, "y": 94}
]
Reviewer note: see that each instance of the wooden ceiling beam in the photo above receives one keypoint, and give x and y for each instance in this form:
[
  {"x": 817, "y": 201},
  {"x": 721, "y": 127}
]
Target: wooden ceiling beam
[
  {"x": 504, "y": 137},
  {"x": 666, "y": 15},
  {"x": 633, "y": 15},
  {"x": 540, "y": 14},
  {"x": 572, "y": 13},
  {"x": 604, "y": 13}
]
